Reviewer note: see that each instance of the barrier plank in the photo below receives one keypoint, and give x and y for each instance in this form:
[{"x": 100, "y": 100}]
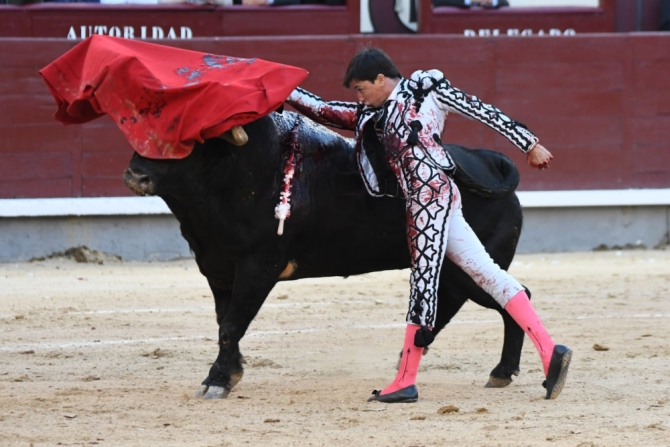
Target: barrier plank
[
  {"x": 35, "y": 187},
  {"x": 596, "y": 76},
  {"x": 651, "y": 102},
  {"x": 565, "y": 132},
  {"x": 651, "y": 130},
  {"x": 105, "y": 187},
  {"x": 176, "y": 21},
  {"x": 652, "y": 74},
  {"x": 104, "y": 164},
  {"x": 560, "y": 103},
  {"x": 49, "y": 136},
  {"x": 40, "y": 165}
]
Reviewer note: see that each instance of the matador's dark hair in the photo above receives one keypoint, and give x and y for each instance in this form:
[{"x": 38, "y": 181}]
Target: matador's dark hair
[{"x": 367, "y": 64}]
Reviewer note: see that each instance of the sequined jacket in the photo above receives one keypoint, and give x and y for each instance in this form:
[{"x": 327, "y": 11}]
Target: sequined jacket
[{"x": 414, "y": 114}]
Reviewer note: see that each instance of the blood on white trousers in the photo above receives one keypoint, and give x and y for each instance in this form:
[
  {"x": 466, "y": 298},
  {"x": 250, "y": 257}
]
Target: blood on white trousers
[
  {"x": 466, "y": 251},
  {"x": 436, "y": 229}
]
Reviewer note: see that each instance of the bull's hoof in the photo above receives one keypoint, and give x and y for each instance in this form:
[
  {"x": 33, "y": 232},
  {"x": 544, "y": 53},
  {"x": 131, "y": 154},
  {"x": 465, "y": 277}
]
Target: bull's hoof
[
  {"x": 497, "y": 382},
  {"x": 216, "y": 392},
  {"x": 212, "y": 392},
  {"x": 235, "y": 379},
  {"x": 201, "y": 391}
]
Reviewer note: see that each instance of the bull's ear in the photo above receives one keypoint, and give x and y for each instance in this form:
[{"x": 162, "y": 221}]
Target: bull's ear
[
  {"x": 236, "y": 136},
  {"x": 280, "y": 109}
]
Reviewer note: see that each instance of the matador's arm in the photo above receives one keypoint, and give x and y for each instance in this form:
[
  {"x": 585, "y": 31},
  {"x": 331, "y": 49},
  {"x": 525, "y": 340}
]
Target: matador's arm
[
  {"x": 455, "y": 100},
  {"x": 343, "y": 115}
]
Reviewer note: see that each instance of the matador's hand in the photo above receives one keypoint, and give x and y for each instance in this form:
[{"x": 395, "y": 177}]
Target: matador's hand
[{"x": 539, "y": 157}]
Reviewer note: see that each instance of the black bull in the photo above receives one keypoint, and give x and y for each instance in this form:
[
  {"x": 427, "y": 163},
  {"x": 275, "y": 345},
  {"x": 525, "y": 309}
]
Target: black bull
[{"x": 224, "y": 198}]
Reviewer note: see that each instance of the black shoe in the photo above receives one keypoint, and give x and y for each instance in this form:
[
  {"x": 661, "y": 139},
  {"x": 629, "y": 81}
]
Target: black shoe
[
  {"x": 558, "y": 371},
  {"x": 405, "y": 395}
]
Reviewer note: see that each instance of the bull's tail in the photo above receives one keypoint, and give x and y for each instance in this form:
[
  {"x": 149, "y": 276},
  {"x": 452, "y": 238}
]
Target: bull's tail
[{"x": 485, "y": 173}]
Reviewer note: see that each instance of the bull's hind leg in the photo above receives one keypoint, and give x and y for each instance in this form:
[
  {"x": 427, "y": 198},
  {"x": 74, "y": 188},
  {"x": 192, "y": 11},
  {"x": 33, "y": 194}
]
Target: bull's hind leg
[
  {"x": 449, "y": 302},
  {"x": 501, "y": 375},
  {"x": 254, "y": 280}
]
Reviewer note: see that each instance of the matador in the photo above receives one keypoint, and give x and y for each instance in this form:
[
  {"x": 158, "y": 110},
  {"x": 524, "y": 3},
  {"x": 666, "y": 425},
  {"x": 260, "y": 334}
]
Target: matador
[{"x": 398, "y": 123}]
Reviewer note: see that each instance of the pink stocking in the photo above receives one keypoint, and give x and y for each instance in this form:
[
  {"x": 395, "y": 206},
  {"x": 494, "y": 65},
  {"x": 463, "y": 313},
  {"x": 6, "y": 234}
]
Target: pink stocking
[
  {"x": 409, "y": 364},
  {"x": 522, "y": 311}
]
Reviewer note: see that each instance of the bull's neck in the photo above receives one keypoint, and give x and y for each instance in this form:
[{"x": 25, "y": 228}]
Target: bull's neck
[{"x": 240, "y": 187}]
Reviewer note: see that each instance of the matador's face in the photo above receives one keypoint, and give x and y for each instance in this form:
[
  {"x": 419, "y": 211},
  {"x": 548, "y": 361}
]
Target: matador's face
[{"x": 373, "y": 94}]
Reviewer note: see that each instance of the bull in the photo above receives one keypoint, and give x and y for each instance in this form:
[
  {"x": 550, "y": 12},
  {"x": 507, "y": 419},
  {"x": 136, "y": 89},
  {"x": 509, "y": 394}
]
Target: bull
[{"x": 224, "y": 194}]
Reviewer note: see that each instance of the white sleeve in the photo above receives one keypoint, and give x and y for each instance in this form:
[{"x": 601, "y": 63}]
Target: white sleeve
[
  {"x": 455, "y": 100},
  {"x": 330, "y": 113}
]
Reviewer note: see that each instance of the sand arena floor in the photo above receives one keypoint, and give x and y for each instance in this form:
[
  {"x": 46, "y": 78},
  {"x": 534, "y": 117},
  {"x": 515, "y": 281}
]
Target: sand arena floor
[{"x": 112, "y": 355}]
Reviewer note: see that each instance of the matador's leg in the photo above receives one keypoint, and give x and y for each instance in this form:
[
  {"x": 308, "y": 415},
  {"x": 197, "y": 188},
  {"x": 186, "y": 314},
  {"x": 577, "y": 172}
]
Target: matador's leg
[
  {"x": 466, "y": 251},
  {"x": 431, "y": 197}
]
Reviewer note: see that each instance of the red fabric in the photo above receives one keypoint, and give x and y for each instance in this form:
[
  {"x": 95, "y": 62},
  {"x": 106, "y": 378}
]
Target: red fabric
[{"x": 164, "y": 99}]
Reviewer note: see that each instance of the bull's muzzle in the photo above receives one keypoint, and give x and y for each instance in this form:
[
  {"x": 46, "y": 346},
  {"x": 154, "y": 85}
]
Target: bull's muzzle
[
  {"x": 236, "y": 136},
  {"x": 138, "y": 183}
]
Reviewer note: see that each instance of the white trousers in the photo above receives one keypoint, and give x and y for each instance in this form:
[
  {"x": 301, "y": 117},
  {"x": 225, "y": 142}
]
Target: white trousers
[{"x": 437, "y": 229}]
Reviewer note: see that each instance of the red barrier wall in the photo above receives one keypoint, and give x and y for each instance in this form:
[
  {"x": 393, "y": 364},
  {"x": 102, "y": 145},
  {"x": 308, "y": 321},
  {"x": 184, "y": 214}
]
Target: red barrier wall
[
  {"x": 80, "y": 20},
  {"x": 600, "y": 103},
  {"x": 518, "y": 21}
]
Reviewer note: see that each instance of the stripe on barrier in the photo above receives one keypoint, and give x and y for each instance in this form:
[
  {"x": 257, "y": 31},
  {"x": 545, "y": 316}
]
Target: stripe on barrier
[{"x": 120, "y": 206}]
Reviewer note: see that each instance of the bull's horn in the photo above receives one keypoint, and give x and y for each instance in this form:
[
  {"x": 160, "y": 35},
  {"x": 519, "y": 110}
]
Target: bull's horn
[{"x": 236, "y": 136}]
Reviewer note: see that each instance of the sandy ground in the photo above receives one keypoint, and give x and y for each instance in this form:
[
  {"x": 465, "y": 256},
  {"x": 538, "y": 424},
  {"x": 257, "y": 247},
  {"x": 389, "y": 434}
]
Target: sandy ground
[{"x": 79, "y": 363}]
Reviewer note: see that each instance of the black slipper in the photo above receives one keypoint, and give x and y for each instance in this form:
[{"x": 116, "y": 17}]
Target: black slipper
[
  {"x": 558, "y": 371},
  {"x": 405, "y": 395}
]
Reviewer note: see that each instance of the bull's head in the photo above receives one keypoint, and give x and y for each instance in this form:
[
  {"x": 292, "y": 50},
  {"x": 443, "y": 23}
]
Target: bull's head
[
  {"x": 137, "y": 180},
  {"x": 149, "y": 177}
]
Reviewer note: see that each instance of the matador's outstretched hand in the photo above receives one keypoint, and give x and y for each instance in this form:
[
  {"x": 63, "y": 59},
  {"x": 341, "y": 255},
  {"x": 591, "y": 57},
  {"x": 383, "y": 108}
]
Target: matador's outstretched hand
[{"x": 539, "y": 157}]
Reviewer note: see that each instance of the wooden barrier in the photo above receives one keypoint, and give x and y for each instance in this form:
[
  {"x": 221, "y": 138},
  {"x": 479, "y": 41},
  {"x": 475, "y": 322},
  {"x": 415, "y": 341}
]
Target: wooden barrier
[
  {"x": 600, "y": 103},
  {"x": 177, "y": 21},
  {"x": 80, "y": 20},
  {"x": 518, "y": 21}
]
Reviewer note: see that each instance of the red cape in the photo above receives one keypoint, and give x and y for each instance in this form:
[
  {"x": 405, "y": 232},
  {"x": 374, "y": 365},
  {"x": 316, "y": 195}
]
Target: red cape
[{"x": 164, "y": 99}]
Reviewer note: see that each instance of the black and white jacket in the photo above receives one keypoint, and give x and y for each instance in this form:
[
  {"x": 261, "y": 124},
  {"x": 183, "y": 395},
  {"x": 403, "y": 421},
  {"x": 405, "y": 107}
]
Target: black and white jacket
[{"x": 414, "y": 114}]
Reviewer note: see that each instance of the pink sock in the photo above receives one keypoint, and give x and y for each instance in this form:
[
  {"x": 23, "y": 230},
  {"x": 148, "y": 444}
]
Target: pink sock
[
  {"x": 409, "y": 364},
  {"x": 522, "y": 311}
]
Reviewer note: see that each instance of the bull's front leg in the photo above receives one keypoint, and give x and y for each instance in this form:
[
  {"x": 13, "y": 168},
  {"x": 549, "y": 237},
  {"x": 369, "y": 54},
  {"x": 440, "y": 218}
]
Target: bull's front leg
[
  {"x": 254, "y": 279},
  {"x": 223, "y": 293}
]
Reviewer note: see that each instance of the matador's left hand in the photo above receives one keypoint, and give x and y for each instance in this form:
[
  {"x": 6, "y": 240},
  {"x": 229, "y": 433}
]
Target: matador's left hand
[{"x": 539, "y": 157}]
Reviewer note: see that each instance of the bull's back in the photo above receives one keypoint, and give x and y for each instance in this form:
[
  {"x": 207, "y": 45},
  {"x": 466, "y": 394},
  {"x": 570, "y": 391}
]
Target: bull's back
[{"x": 346, "y": 231}]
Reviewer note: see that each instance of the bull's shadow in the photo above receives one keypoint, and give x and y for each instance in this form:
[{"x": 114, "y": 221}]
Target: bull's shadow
[{"x": 224, "y": 198}]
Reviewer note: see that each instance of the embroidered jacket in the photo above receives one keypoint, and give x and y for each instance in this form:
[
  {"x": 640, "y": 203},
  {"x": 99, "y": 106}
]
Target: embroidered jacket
[{"x": 414, "y": 114}]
